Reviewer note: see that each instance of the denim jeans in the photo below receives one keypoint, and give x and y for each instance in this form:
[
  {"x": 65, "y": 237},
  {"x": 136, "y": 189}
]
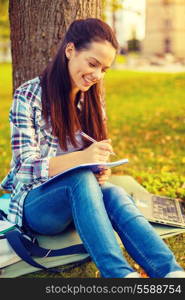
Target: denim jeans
[{"x": 97, "y": 212}]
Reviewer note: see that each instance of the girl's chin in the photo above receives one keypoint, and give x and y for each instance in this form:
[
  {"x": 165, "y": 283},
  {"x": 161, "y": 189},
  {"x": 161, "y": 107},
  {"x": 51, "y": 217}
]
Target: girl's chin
[{"x": 85, "y": 88}]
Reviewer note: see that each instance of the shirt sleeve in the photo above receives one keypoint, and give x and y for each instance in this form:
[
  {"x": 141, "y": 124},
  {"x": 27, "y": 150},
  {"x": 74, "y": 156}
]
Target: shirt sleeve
[{"x": 30, "y": 166}]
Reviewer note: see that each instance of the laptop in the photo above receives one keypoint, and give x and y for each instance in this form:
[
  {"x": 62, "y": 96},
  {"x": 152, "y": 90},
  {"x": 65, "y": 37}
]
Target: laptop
[
  {"x": 157, "y": 209},
  {"x": 161, "y": 209}
]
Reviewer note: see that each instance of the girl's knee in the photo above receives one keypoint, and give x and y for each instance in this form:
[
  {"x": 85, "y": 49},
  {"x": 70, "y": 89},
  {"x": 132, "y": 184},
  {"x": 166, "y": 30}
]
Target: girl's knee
[
  {"x": 114, "y": 190},
  {"x": 115, "y": 193},
  {"x": 119, "y": 205},
  {"x": 85, "y": 177}
]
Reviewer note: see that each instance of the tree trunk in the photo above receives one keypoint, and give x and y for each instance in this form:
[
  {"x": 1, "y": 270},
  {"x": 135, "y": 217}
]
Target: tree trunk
[{"x": 37, "y": 28}]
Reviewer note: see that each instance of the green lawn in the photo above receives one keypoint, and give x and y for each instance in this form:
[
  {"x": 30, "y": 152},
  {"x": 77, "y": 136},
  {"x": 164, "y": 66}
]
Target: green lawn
[
  {"x": 146, "y": 121},
  {"x": 146, "y": 114}
]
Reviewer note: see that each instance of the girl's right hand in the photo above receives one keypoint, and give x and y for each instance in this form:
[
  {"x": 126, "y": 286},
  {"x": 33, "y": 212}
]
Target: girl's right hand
[{"x": 98, "y": 152}]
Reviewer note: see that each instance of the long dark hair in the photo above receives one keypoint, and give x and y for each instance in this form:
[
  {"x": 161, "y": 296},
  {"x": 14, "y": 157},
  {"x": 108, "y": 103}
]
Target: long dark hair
[{"x": 56, "y": 85}]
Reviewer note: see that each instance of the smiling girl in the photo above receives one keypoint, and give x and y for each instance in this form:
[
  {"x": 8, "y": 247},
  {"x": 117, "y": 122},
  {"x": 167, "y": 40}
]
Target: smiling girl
[{"x": 47, "y": 115}]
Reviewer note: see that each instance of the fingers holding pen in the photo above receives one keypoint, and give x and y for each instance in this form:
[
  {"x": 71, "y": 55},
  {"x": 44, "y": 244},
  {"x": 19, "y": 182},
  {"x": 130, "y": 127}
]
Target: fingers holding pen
[
  {"x": 105, "y": 146},
  {"x": 98, "y": 151}
]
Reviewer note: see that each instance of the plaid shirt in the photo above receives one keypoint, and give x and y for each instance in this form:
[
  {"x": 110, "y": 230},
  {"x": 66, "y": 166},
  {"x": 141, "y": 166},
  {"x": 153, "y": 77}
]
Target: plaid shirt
[{"x": 32, "y": 146}]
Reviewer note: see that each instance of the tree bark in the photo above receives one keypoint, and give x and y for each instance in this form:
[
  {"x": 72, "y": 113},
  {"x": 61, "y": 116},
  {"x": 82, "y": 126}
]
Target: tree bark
[{"x": 37, "y": 28}]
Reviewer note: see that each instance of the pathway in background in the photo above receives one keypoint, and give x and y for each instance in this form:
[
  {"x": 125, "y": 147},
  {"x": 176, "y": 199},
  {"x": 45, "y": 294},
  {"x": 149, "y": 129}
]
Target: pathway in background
[{"x": 152, "y": 64}]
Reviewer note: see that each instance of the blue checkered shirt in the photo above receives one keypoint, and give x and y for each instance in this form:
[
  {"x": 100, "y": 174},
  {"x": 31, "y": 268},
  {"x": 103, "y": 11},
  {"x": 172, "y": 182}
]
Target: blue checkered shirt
[{"x": 32, "y": 146}]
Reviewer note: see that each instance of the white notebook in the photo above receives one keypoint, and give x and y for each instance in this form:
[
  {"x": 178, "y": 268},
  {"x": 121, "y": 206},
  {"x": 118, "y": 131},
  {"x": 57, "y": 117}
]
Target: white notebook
[{"x": 95, "y": 167}]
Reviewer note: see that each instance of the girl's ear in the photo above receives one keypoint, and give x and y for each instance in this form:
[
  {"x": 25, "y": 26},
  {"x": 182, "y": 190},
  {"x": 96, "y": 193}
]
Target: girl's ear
[{"x": 69, "y": 50}]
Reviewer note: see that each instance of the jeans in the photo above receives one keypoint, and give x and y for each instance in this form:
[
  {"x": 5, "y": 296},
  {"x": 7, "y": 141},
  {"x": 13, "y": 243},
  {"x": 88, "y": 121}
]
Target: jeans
[{"x": 97, "y": 212}]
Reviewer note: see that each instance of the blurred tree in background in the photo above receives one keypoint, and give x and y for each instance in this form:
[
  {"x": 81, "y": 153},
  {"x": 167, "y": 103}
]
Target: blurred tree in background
[
  {"x": 134, "y": 43},
  {"x": 113, "y": 6}
]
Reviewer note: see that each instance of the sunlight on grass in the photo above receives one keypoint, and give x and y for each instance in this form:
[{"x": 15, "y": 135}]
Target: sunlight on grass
[{"x": 146, "y": 123}]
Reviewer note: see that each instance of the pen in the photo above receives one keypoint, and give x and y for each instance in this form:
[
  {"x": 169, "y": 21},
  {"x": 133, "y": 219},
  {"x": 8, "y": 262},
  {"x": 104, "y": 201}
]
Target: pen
[{"x": 91, "y": 139}]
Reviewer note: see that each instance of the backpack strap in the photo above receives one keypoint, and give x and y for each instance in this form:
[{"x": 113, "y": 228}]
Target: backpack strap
[
  {"x": 39, "y": 251},
  {"x": 14, "y": 239},
  {"x": 25, "y": 249},
  {"x": 3, "y": 215},
  {"x": 26, "y": 246}
]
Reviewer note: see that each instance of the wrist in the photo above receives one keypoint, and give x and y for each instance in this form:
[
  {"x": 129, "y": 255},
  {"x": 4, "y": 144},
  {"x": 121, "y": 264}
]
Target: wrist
[{"x": 81, "y": 157}]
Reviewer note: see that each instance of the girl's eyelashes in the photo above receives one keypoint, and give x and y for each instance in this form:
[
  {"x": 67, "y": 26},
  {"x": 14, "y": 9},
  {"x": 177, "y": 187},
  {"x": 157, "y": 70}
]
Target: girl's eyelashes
[{"x": 94, "y": 66}]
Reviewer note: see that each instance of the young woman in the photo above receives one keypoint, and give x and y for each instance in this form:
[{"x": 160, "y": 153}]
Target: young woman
[{"x": 47, "y": 116}]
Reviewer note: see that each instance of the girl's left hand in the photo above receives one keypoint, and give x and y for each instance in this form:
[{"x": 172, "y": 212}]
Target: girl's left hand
[{"x": 103, "y": 175}]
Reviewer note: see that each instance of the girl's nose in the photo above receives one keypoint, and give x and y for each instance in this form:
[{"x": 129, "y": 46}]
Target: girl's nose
[{"x": 97, "y": 75}]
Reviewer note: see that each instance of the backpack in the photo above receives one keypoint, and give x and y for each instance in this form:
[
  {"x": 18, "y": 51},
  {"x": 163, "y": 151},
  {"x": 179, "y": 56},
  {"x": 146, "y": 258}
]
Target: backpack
[{"x": 17, "y": 245}]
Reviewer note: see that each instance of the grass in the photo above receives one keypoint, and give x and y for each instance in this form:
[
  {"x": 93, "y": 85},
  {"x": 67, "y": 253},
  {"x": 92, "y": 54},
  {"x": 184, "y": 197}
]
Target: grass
[{"x": 146, "y": 121}]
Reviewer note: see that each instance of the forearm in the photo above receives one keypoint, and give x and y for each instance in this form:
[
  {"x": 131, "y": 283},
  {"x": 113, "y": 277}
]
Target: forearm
[
  {"x": 96, "y": 153},
  {"x": 61, "y": 163}
]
